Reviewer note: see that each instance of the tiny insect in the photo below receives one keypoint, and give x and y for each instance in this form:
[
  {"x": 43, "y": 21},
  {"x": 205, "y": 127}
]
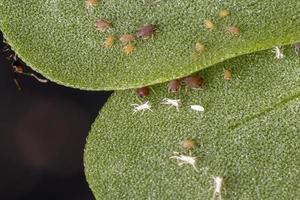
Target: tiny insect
[
  {"x": 172, "y": 102},
  {"x": 127, "y": 38},
  {"x": 234, "y": 30},
  {"x": 224, "y": 13},
  {"x": 185, "y": 159},
  {"x": 209, "y": 24},
  {"x": 128, "y": 49},
  {"x": 197, "y": 108},
  {"x": 218, "y": 187},
  {"x": 142, "y": 107},
  {"x": 193, "y": 81},
  {"x": 297, "y": 48},
  {"x": 189, "y": 143},
  {"x": 103, "y": 25},
  {"x": 200, "y": 47},
  {"x": 18, "y": 68},
  {"x": 110, "y": 40},
  {"x": 91, "y": 3},
  {"x": 227, "y": 74},
  {"x": 146, "y": 31},
  {"x": 143, "y": 92},
  {"x": 278, "y": 52},
  {"x": 174, "y": 85}
]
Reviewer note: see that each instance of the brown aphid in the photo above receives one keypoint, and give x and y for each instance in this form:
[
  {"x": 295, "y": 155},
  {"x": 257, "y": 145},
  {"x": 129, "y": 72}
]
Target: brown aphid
[
  {"x": 199, "y": 47},
  {"x": 224, "y": 13},
  {"x": 91, "y": 3},
  {"x": 189, "y": 143},
  {"x": 103, "y": 25},
  {"x": 234, "y": 30},
  {"x": 128, "y": 49},
  {"x": 127, "y": 38},
  {"x": 227, "y": 74},
  {"x": 18, "y": 67},
  {"x": 143, "y": 92},
  {"x": 193, "y": 81},
  {"x": 146, "y": 31},
  {"x": 209, "y": 24},
  {"x": 174, "y": 85},
  {"x": 109, "y": 41}
]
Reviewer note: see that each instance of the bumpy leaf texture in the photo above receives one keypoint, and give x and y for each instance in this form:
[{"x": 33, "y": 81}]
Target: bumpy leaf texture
[
  {"x": 59, "y": 38},
  {"x": 248, "y": 135}
]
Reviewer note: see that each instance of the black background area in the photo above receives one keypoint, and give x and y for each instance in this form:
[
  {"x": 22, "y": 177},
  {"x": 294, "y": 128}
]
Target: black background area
[{"x": 43, "y": 129}]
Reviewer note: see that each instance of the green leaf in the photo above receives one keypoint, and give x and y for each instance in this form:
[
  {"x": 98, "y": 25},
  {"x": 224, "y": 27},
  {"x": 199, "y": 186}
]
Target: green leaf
[
  {"x": 249, "y": 134},
  {"x": 59, "y": 38}
]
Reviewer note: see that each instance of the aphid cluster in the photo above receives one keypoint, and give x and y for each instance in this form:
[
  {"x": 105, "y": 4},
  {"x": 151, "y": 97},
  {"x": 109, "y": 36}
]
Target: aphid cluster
[
  {"x": 193, "y": 81},
  {"x": 144, "y": 32},
  {"x": 200, "y": 48}
]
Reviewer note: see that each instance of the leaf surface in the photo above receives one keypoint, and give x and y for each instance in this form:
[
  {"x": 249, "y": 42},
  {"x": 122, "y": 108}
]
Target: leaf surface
[
  {"x": 59, "y": 39},
  {"x": 249, "y": 134}
]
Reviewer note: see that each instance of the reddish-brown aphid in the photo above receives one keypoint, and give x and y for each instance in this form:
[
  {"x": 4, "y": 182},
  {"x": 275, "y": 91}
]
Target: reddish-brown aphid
[
  {"x": 91, "y": 3},
  {"x": 143, "y": 92},
  {"x": 174, "y": 85},
  {"x": 227, "y": 74},
  {"x": 193, "y": 81},
  {"x": 224, "y": 13},
  {"x": 128, "y": 49},
  {"x": 127, "y": 38},
  {"x": 189, "y": 143},
  {"x": 18, "y": 67},
  {"x": 109, "y": 41},
  {"x": 209, "y": 25},
  {"x": 103, "y": 25},
  {"x": 146, "y": 31},
  {"x": 234, "y": 30}
]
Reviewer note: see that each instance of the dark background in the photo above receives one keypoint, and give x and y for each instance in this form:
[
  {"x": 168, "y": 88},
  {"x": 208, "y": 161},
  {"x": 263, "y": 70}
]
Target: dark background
[{"x": 43, "y": 129}]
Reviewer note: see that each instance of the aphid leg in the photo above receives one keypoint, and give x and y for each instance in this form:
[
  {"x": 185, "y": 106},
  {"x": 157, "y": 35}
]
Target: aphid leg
[
  {"x": 36, "y": 78},
  {"x": 17, "y": 84},
  {"x": 152, "y": 90},
  {"x": 12, "y": 57}
]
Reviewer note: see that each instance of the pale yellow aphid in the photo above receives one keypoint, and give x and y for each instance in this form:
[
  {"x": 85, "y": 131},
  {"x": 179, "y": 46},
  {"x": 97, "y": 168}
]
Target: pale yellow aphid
[
  {"x": 209, "y": 24},
  {"x": 91, "y": 3},
  {"x": 227, "y": 74},
  {"x": 224, "y": 13},
  {"x": 110, "y": 40},
  {"x": 199, "y": 47},
  {"x": 128, "y": 49}
]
